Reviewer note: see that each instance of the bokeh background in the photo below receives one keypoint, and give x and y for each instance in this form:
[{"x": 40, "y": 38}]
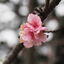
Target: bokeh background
[{"x": 12, "y": 14}]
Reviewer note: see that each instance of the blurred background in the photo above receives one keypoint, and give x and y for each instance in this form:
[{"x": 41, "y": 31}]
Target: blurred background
[{"x": 12, "y": 14}]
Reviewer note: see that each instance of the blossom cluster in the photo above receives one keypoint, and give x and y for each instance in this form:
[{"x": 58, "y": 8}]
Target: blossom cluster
[{"x": 32, "y": 32}]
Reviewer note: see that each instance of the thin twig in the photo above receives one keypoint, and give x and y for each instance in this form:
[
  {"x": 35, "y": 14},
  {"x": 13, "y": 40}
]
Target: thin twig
[{"x": 55, "y": 31}]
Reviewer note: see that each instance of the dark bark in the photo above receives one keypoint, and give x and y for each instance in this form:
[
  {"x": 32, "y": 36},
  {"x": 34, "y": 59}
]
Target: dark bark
[
  {"x": 43, "y": 12},
  {"x": 52, "y": 5},
  {"x": 47, "y": 5},
  {"x": 14, "y": 54}
]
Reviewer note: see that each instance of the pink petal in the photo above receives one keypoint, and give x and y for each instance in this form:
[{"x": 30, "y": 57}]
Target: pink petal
[
  {"x": 26, "y": 37},
  {"x": 34, "y": 20},
  {"x": 40, "y": 29},
  {"x": 28, "y": 26},
  {"x": 37, "y": 43},
  {"x": 28, "y": 44},
  {"x": 44, "y": 38},
  {"x": 41, "y": 37},
  {"x": 44, "y": 28}
]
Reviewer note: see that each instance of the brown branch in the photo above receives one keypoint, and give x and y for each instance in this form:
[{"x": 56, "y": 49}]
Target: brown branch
[
  {"x": 47, "y": 5},
  {"x": 14, "y": 54},
  {"x": 41, "y": 10},
  {"x": 52, "y": 5}
]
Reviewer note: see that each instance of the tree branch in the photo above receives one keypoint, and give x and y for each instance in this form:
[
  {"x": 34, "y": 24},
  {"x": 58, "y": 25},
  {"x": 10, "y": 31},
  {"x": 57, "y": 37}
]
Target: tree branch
[
  {"x": 47, "y": 5},
  {"x": 40, "y": 11},
  {"x": 14, "y": 54},
  {"x": 52, "y": 5}
]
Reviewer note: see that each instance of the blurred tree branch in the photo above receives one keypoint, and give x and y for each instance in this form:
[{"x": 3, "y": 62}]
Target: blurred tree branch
[{"x": 14, "y": 54}]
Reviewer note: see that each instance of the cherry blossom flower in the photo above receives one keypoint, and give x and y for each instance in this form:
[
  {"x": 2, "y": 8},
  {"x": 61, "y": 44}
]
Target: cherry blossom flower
[{"x": 32, "y": 32}]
